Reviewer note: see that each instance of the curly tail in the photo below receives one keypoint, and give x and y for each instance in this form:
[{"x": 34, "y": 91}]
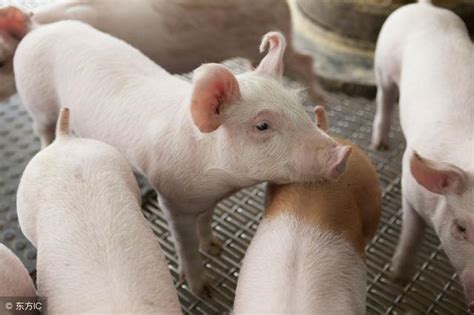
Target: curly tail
[{"x": 62, "y": 126}]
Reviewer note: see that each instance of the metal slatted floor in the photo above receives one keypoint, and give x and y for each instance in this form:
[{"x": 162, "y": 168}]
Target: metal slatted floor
[{"x": 434, "y": 289}]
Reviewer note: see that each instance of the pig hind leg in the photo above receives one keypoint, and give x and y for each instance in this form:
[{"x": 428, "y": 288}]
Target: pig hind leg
[
  {"x": 387, "y": 98},
  {"x": 413, "y": 230},
  {"x": 208, "y": 241},
  {"x": 44, "y": 112}
]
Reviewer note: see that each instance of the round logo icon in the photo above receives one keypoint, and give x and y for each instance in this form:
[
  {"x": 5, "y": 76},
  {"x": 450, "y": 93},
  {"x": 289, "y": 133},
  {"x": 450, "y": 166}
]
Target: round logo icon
[{"x": 8, "y": 306}]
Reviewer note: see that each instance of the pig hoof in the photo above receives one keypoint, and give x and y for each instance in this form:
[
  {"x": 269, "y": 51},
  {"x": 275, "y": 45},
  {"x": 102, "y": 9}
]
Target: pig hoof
[
  {"x": 400, "y": 278},
  {"x": 206, "y": 290},
  {"x": 214, "y": 247},
  {"x": 202, "y": 288},
  {"x": 380, "y": 145}
]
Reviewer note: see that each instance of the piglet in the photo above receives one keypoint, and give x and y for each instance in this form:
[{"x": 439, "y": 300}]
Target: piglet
[
  {"x": 79, "y": 204},
  {"x": 14, "y": 278},
  {"x": 178, "y": 35},
  {"x": 307, "y": 256},
  {"x": 425, "y": 55},
  {"x": 196, "y": 143}
]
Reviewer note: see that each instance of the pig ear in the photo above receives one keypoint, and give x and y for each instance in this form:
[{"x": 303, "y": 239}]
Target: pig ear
[
  {"x": 214, "y": 87},
  {"x": 14, "y": 22},
  {"x": 272, "y": 63},
  {"x": 438, "y": 177},
  {"x": 321, "y": 118}
]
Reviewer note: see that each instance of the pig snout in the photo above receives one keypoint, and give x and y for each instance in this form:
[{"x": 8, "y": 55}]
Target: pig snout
[{"x": 467, "y": 279}]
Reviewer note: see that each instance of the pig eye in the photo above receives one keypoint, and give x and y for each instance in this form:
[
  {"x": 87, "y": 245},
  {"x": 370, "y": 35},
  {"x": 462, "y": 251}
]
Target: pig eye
[
  {"x": 2, "y": 64},
  {"x": 262, "y": 126}
]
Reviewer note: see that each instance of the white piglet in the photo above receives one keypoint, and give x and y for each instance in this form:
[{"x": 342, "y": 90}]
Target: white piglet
[
  {"x": 307, "y": 256},
  {"x": 196, "y": 143},
  {"x": 14, "y": 278},
  {"x": 425, "y": 61},
  {"x": 179, "y": 35},
  {"x": 79, "y": 204}
]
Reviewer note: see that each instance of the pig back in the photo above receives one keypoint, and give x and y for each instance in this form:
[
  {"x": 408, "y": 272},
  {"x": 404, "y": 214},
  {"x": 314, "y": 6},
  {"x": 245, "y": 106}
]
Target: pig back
[
  {"x": 436, "y": 99},
  {"x": 89, "y": 223}
]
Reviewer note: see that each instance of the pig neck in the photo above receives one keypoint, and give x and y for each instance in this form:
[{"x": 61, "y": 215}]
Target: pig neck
[
  {"x": 190, "y": 165},
  {"x": 326, "y": 204}
]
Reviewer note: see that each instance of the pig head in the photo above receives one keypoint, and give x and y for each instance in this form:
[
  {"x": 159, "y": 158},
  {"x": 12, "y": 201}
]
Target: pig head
[{"x": 265, "y": 135}]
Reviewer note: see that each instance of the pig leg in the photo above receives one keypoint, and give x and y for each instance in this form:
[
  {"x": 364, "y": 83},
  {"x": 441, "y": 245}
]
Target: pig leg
[
  {"x": 183, "y": 227},
  {"x": 299, "y": 67},
  {"x": 387, "y": 97},
  {"x": 44, "y": 115},
  {"x": 208, "y": 240},
  {"x": 45, "y": 132},
  {"x": 413, "y": 230}
]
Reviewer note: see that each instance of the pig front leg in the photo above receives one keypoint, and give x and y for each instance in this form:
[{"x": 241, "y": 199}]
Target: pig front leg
[
  {"x": 387, "y": 97},
  {"x": 208, "y": 240},
  {"x": 45, "y": 132},
  {"x": 413, "y": 230},
  {"x": 183, "y": 227}
]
